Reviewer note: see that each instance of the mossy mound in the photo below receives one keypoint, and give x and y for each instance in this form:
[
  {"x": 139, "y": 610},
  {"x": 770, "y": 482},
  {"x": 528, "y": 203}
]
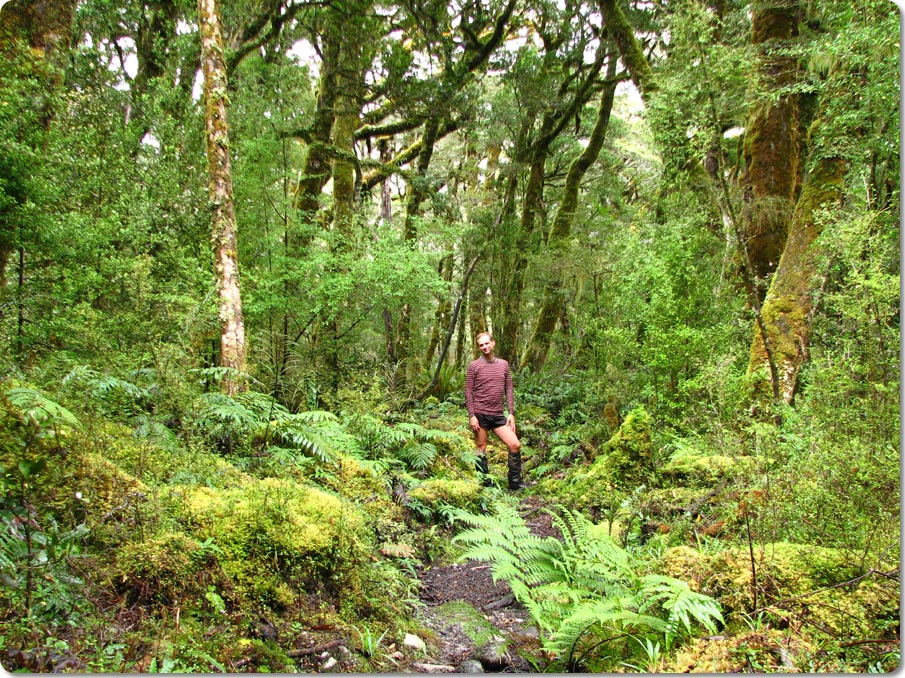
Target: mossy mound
[
  {"x": 622, "y": 464},
  {"x": 764, "y": 651},
  {"x": 690, "y": 466},
  {"x": 275, "y": 536},
  {"x": 439, "y": 492},
  {"x": 169, "y": 569},
  {"x": 798, "y": 586},
  {"x": 629, "y": 453}
]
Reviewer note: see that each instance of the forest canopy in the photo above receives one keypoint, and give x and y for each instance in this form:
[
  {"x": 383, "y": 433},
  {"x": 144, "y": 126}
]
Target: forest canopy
[{"x": 245, "y": 250}]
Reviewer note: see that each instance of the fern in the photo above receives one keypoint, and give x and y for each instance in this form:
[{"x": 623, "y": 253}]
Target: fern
[
  {"x": 581, "y": 590},
  {"x": 683, "y": 605},
  {"x": 222, "y": 413},
  {"x": 316, "y": 433},
  {"x": 374, "y": 436},
  {"x": 418, "y": 455},
  {"x": 36, "y": 409}
]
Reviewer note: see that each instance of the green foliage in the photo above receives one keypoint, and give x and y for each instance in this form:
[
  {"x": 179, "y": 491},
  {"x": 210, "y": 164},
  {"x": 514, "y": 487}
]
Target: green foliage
[
  {"x": 583, "y": 591},
  {"x": 799, "y": 586},
  {"x": 276, "y": 536},
  {"x": 36, "y": 550}
]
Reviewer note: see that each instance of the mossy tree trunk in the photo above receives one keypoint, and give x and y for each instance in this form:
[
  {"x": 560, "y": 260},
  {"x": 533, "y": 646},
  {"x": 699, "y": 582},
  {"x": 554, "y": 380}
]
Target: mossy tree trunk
[
  {"x": 316, "y": 169},
  {"x": 233, "y": 349},
  {"x": 418, "y": 191},
  {"x": 771, "y": 140},
  {"x": 786, "y": 313}
]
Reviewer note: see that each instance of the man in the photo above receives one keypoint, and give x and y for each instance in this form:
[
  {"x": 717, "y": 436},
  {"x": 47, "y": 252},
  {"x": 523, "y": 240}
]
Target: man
[{"x": 488, "y": 382}]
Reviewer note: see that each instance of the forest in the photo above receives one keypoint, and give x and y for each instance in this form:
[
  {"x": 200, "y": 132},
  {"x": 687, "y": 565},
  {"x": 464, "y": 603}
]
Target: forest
[{"x": 246, "y": 248}]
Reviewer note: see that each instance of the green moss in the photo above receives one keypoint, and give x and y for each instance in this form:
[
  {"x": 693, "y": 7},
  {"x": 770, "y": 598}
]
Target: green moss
[
  {"x": 168, "y": 569},
  {"x": 441, "y": 491},
  {"x": 697, "y": 467},
  {"x": 798, "y": 584},
  {"x": 275, "y": 535},
  {"x": 629, "y": 453}
]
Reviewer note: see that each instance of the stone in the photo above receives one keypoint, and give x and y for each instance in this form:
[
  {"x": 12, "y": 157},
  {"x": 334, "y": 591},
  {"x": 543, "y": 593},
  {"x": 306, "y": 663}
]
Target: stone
[
  {"x": 414, "y": 642},
  {"x": 433, "y": 668},
  {"x": 470, "y": 666}
]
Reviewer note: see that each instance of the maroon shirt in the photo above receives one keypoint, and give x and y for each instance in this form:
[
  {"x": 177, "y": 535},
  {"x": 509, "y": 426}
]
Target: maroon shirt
[{"x": 487, "y": 384}]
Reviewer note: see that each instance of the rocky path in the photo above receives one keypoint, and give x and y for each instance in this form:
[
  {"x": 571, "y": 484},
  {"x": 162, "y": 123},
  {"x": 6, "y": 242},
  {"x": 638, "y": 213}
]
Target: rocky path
[{"x": 481, "y": 628}]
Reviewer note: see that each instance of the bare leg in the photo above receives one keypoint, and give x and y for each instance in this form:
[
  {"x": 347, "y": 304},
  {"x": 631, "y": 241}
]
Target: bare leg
[
  {"x": 480, "y": 443},
  {"x": 514, "y": 462}
]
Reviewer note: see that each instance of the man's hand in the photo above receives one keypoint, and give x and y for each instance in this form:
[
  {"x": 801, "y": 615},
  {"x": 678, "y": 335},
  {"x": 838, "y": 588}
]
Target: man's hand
[
  {"x": 510, "y": 421},
  {"x": 473, "y": 422}
]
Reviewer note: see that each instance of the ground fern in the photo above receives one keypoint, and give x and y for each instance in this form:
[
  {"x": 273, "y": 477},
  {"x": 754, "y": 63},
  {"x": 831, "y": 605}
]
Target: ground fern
[{"x": 582, "y": 590}]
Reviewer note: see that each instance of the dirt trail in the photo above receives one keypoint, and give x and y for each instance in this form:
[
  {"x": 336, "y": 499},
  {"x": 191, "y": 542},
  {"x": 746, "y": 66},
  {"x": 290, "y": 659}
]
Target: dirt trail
[{"x": 476, "y": 619}]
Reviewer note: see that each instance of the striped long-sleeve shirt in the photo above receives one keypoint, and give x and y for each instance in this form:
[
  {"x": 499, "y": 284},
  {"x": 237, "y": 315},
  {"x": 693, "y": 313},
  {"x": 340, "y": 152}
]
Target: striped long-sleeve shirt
[{"x": 488, "y": 383}]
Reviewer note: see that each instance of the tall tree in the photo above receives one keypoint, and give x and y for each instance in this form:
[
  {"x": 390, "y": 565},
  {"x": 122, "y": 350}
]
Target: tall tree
[
  {"x": 553, "y": 306},
  {"x": 786, "y": 313},
  {"x": 233, "y": 350},
  {"x": 771, "y": 138},
  {"x": 845, "y": 135},
  {"x": 563, "y": 64}
]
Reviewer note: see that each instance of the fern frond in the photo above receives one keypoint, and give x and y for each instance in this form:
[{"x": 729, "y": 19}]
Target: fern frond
[
  {"x": 223, "y": 411},
  {"x": 600, "y": 616},
  {"x": 418, "y": 455},
  {"x": 374, "y": 436},
  {"x": 33, "y": 407},
  {"x": 318, "y": 434},
  {"x": 156, "y": 433},
  {"x": 683, "y": 606}
]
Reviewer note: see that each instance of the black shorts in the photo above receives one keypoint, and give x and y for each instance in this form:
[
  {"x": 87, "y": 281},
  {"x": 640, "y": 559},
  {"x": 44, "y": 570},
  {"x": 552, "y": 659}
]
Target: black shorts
[{"x": 489, "y": 422}]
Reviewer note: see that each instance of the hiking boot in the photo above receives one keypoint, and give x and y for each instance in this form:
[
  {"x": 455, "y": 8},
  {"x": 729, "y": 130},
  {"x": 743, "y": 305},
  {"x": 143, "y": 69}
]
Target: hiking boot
[
  {"x": 483, "y": 470},
  {"x": 514, "y": 464}
]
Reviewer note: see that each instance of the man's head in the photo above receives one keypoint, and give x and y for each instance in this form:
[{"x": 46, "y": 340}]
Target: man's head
[{"x": 485, "y": 343}]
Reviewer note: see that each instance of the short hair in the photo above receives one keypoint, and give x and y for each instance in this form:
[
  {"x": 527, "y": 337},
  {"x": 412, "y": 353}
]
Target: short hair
[{"x": 483, "y": 334}]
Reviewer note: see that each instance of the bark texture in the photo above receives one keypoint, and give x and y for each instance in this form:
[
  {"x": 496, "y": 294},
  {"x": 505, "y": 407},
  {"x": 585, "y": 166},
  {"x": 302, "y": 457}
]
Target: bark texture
[
  {"x": 786, "y": 312},
  {"x": 771, "y": 140},
  {"x": 223, "y": 218}
]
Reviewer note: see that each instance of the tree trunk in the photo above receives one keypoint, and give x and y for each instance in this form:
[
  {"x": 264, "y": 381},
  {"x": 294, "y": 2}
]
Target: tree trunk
[
  {"x": 445, "y": 271},
  {"x": 418, "y": 191},
  {"x": 622, "y": 33},
  {"x": 771, "y": 142},
  {"x": 552, "y": 306},
  {"x": 786, "y": 312},
  {"x": 316, "y": 170},
  {"x": 223, "y": 218}
]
